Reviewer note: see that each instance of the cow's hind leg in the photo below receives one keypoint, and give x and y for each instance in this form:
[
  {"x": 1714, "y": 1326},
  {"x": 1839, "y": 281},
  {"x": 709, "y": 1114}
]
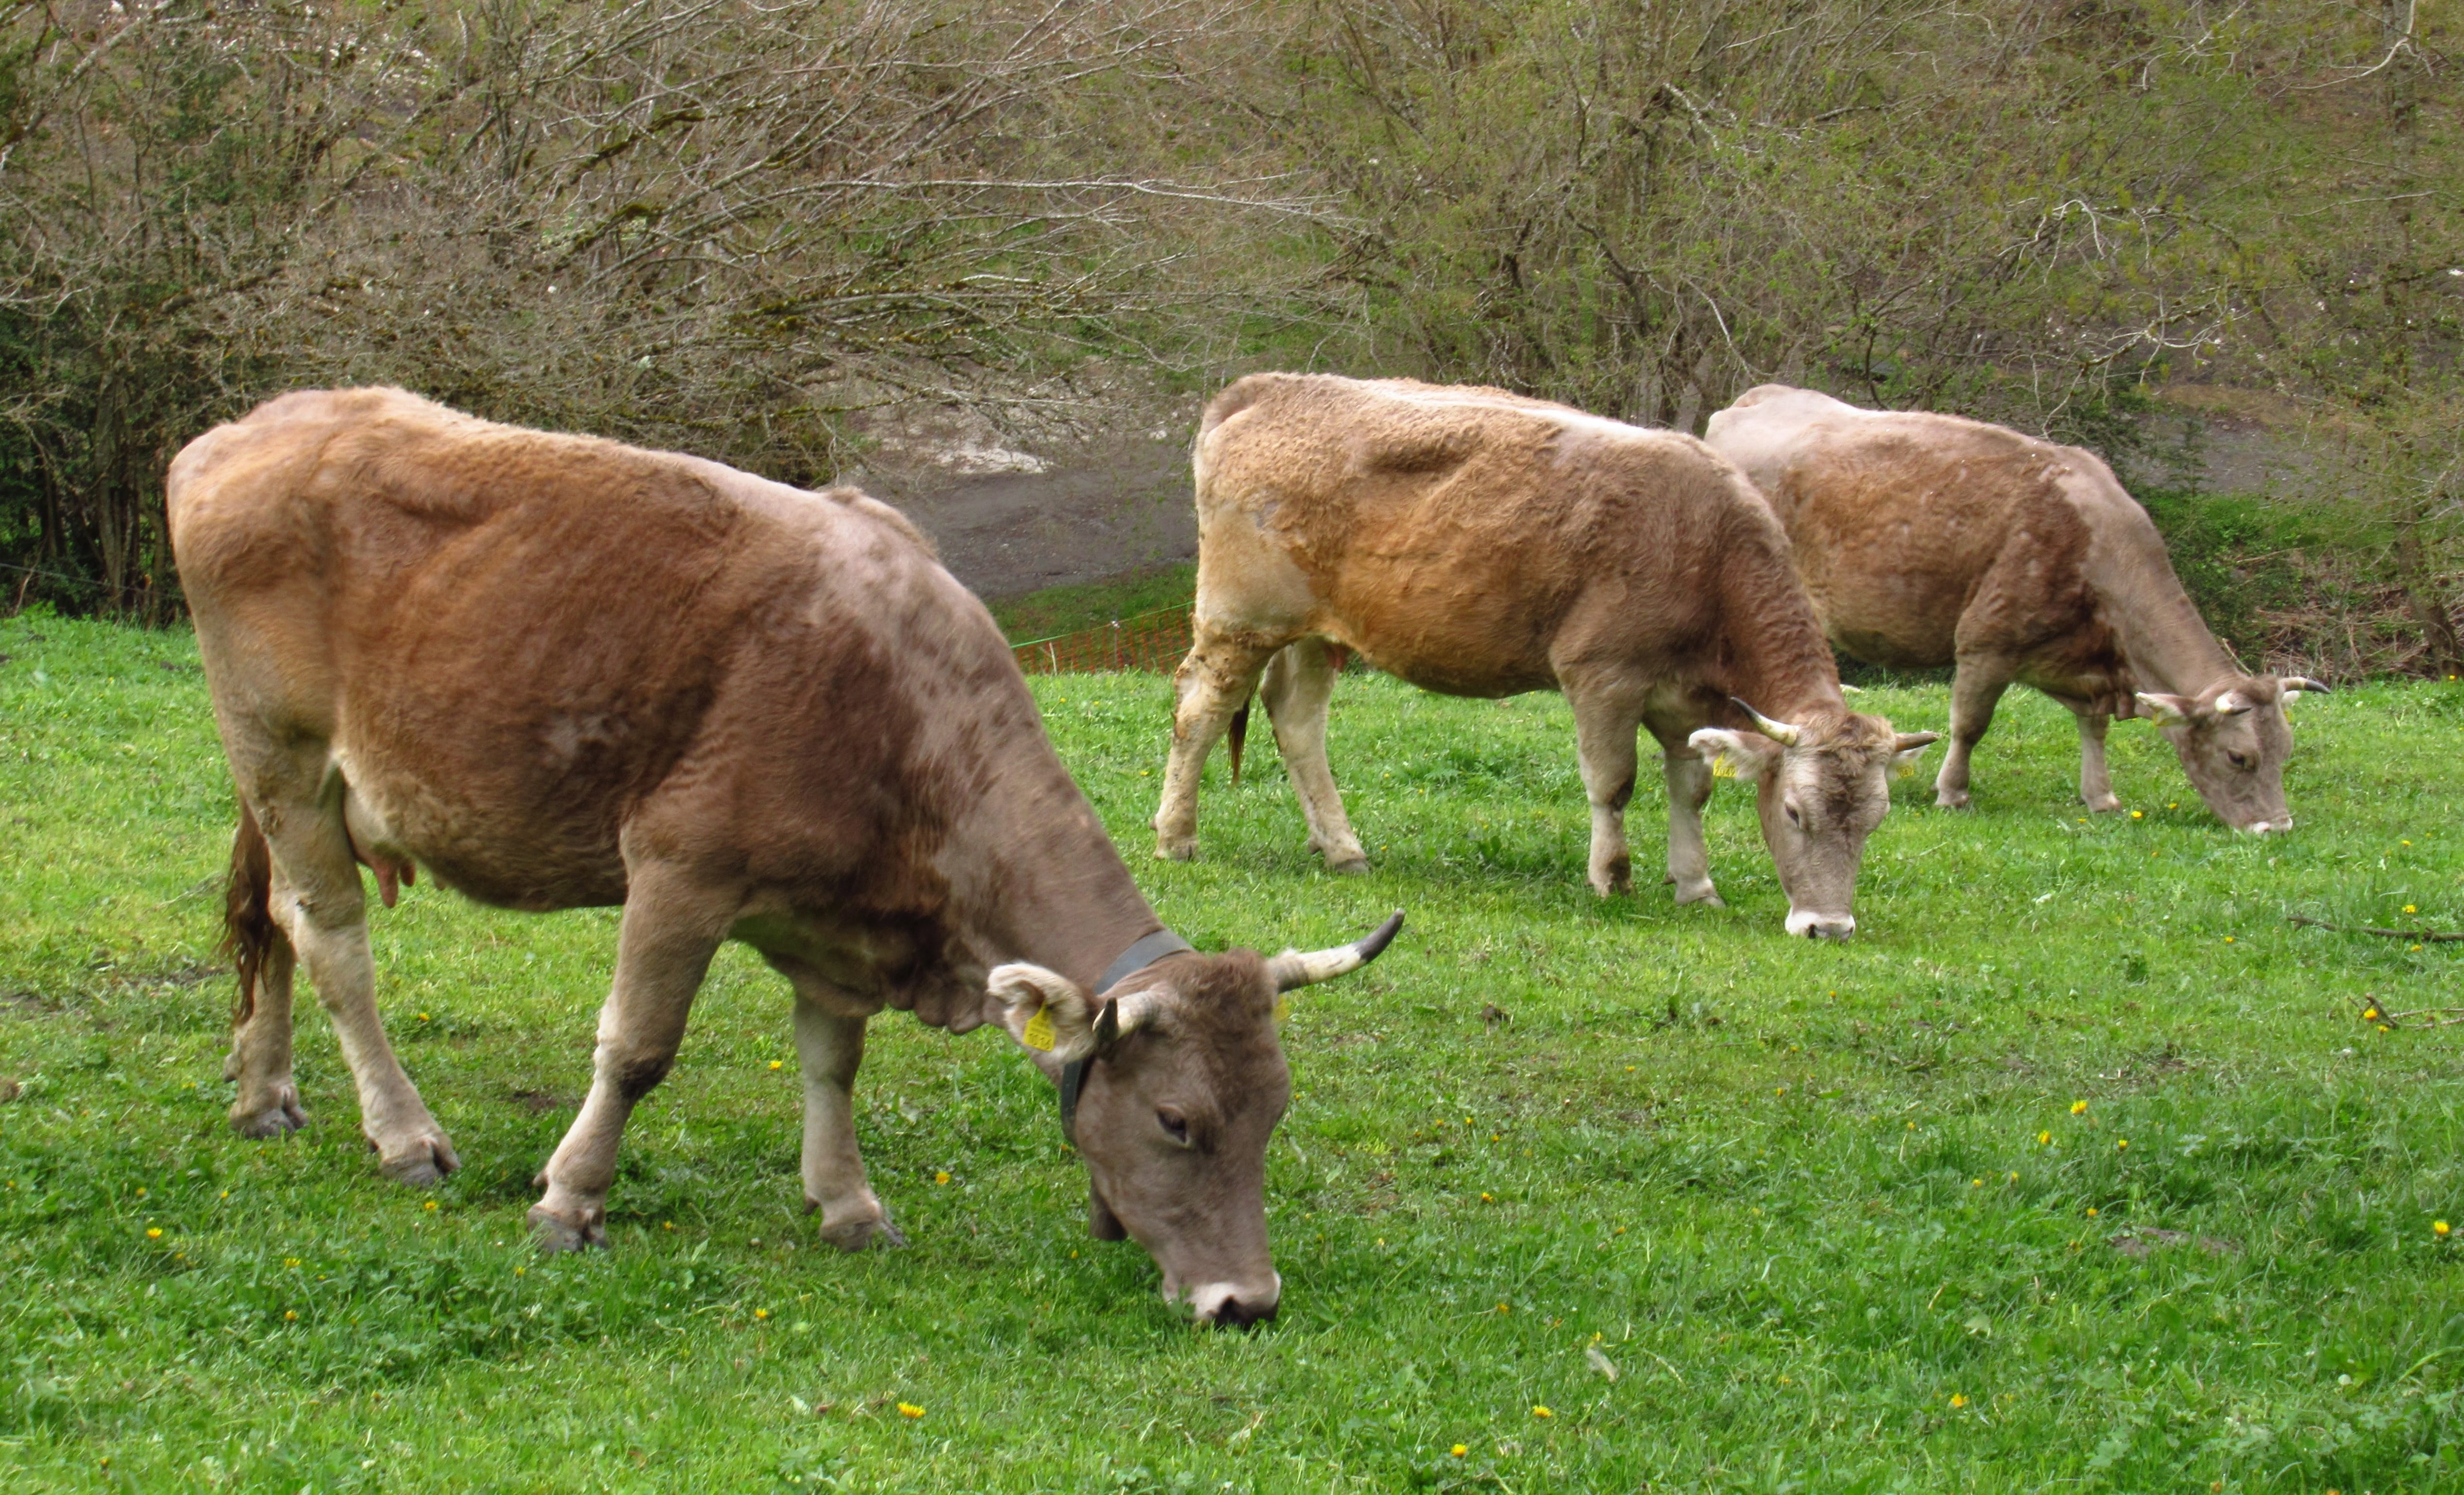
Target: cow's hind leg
[
  {"x": 1605, "y": 722},
  {"x": 1297, "y": 690},
  {"x": 1219, "y": 673},
  {"x": 671, "y": 928},
  {"x": 830, "y": 1048},
  {"x": 1975, "y": 688},
  {"x": 267, "y": 1101},
  {"x": 315, "y": 896},
  {"x": 2095, "y": 781}
]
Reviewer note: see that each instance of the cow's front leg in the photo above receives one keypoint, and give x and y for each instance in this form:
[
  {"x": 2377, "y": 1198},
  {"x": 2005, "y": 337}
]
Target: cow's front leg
[
  {"x": 670, "y": 929},
  {"x": 1604, "y": 729},
  {"x": 1690, "y": 860},
  {"x": 830, "y": 1048},
  {"x": 2095, "y": 781},
  {"x": 1212, "y": 683}
]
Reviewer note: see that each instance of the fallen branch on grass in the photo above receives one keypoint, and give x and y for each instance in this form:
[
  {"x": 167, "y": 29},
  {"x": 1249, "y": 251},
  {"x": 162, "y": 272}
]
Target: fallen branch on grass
[{"x": 2432, "y": 937}]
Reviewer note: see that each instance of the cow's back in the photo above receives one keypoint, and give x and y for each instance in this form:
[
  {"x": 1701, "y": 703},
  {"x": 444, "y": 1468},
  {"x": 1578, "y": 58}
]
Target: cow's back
[
  {"x": 1901, "y": 521},
  {"x": 1457, "y": 536},
  {"x": 510, "y": 638}
]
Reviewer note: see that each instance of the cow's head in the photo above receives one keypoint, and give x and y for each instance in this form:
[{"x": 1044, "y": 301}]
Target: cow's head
[
  {"x": 1822, "y": 785},
  {"x": 2233, "y": 741},
  {"x": 1183, "y": 1083}
]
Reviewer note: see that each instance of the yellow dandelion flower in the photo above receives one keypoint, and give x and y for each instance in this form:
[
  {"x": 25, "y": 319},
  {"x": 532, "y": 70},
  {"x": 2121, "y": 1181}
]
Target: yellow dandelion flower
[
  {"x": 1957, "y": 1400},
  {"x": 941, "y": 1176},
  {"x": 2091, "y": 1210},
  {"x": 2228, "y": 939},
  {"x": 1458, "y": 1451},
  {"x": 2410, "y": 909},
  {"x": 1781, "y": 1090},
  {"x": 1977, "y": 1183},
  {"x": 1620, "y": 1230},
  {"x": 2044, "y": 1139},
  {"x": 429, "y": 1205},
  {"x": 290, "y": 1315},
  {"x": 1488, "y": 1199},
  {"x": 2079, "y": 1108},
  {"x": 2122, "y": 1144},
  {"x": 668, "y": 1226},
  {"x": 2015, "y": 1177},
  {"x": 1542, "y": 1412},
  {"x": 908, "y": 1409},
  {"x": 2438, "y": 1227},
  {"x": 153, "y": 1232},
  {"x": 423, "y": 1016},
  {"x": 2138, "y": 814},
  {"x": 2383, "y": 1029},
  {"x": 2416, "y": 949},
  {"x": 778, "y": 1064},
  {"x": 1505, "y": 1307}
]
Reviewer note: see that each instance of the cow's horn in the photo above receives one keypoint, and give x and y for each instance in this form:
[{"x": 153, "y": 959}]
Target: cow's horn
[
  {"x": 2294, "y": 685},
  {"x": 1779, "y": 732},
  {"x": 1126, "y": 1015},
  {"x": 1309, "y": 967}
]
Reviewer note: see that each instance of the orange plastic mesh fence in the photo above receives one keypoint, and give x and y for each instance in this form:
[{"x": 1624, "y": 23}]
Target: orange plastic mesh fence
[{"x": 1154, "y": 642}]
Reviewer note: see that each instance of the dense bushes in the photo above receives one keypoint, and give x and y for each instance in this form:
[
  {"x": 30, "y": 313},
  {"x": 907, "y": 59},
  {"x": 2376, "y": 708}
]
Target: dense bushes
[{"x": 736, "y": 229}]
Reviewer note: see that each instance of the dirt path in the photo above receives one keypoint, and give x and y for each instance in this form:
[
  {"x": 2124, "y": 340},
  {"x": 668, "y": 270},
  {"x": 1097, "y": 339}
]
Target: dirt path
[{"x": 1088, "y": 515}]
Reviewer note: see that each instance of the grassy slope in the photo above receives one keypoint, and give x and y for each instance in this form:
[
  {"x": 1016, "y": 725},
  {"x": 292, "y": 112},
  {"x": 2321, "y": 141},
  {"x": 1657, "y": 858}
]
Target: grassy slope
[
  {"x": 1795, "y": 1194},
  {"x": 1067, "y": 609}
]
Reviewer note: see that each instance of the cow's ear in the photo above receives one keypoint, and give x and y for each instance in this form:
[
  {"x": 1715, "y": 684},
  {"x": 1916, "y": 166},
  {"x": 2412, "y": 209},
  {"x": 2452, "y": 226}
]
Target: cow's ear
[
  {"x": 2172, "y": 711},
  {"x": 1736, "y": 755},
  {"x": 1911, "y": 747},
  {"x": 1043, "y": 1010}
]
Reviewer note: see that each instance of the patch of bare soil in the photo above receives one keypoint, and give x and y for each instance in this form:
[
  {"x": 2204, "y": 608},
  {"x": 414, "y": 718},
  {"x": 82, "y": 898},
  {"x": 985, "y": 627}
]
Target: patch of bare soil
[{"x": 1079, "y": 515}]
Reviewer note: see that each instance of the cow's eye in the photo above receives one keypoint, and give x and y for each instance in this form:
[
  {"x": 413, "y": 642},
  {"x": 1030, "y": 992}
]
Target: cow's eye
[
  {"x": 1176, "y": 1126},
  {"x": 2240, "y": 761},
  {"x": 1795, "y": 817}
]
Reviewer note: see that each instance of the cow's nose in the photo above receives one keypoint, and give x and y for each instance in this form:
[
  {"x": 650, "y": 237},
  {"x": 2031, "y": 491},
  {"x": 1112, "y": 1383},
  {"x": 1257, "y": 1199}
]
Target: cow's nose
[
  {"x": 1229, "y": 1305},
  {"x": 1821, "y": 926}
]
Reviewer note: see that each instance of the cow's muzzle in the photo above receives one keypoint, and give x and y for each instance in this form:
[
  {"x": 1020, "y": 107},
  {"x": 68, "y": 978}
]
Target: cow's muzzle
[
  {"x": 1820, "y": 926},
  {"x": 1229, "y": 1305}
]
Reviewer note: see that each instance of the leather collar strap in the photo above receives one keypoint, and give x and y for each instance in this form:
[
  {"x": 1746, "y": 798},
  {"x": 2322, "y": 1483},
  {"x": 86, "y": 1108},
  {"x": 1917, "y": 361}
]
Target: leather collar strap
[{"x": 1141, "y": 954}]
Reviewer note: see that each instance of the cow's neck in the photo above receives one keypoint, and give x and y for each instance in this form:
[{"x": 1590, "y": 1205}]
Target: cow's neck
[
  {"x": 1775, "y": 658},
  {"x": 2163, "y": 642},
  {"x": 1056, "y": 892}
]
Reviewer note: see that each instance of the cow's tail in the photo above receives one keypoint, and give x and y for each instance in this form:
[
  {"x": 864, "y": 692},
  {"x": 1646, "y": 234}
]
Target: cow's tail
[
  {"x": 249, "y": 930},
  {"x": 1239, "y": 735}
]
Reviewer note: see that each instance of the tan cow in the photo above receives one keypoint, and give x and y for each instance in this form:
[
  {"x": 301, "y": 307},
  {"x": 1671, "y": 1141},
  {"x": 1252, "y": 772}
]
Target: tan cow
[
  {"x": 1476, "y": 542},
  {"x": 1930, "y": 539},
  {"x": 554, "y": 672}
]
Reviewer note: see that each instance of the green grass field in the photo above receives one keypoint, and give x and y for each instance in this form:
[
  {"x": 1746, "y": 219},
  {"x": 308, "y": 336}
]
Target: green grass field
[{"x": 1841, "y": 1219}]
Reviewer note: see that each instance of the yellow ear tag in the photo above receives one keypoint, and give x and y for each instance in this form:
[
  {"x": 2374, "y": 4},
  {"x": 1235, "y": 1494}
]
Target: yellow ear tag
[
  {"x": 1038, "y": 1033},
  {"x": 1723, "y": 766},
  {"x": 1904, "y": 767},
  {"x": 1283, "y": 1007}
]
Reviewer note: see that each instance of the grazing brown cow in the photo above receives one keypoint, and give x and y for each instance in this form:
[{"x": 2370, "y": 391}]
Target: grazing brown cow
[
  {"x": 1476, "y": 542},
  {"x": 557, "y": 672},
  {"x": 1929, "y": 539}
]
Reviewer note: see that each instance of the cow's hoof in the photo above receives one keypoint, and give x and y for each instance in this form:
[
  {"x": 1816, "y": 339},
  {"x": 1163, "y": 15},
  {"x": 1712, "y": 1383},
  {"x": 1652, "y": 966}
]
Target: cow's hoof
[
  {"x": 2105, "y": 804},
  {"x": 1951, "y": 798},
  {"x": 1175, "y": 851},
  {"x": 856, "y": 1235},
  {"x": 1356, "y": 864},
  {"x": 1703, "y": 893},
  {"x": 278, "y": 1117},
  {"x": 420, "y": 1161},
  {"x": 555, "y": 1233}
]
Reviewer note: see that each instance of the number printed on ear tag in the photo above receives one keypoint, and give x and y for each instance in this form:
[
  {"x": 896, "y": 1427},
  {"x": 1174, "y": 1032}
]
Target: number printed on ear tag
[
  {"x": 1038, "y": 1033},
  {"x": 1723, "y": 767}
]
